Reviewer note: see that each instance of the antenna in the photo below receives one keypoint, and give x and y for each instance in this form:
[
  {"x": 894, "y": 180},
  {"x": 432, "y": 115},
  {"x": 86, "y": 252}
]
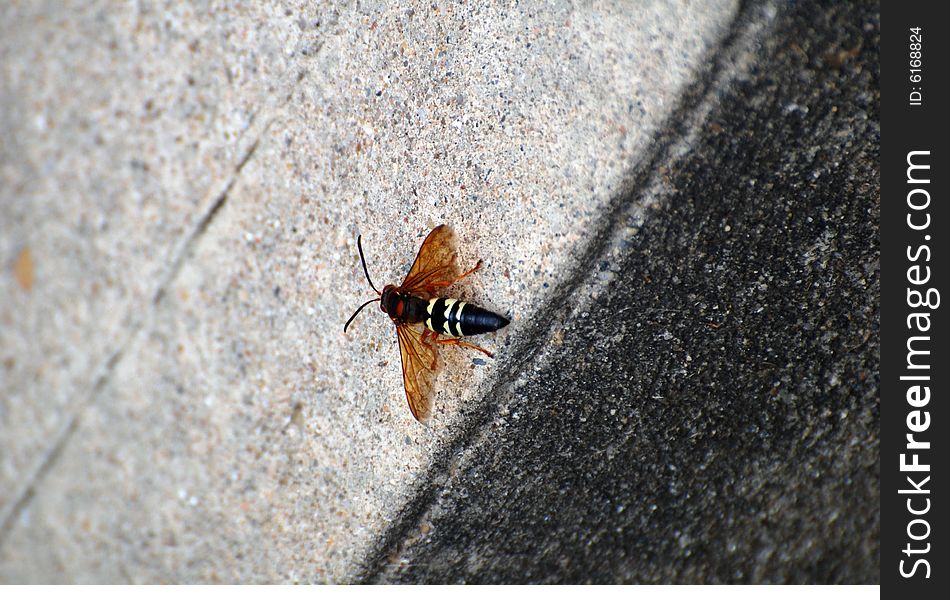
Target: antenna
[
  {"x": 358, "y": 312},
  {"x": 363, "y": 259},
  {"x": 365, "y": 272}
]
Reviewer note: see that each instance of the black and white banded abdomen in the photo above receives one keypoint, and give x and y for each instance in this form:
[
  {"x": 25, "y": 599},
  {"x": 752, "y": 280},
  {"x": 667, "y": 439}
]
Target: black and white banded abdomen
[{"x": 455, "y": 318}]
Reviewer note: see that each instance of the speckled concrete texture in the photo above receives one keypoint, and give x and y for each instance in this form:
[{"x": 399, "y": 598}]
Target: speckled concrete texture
[
  {"x": 179, "y": 401},
  {"x": 121, "y": 128}
]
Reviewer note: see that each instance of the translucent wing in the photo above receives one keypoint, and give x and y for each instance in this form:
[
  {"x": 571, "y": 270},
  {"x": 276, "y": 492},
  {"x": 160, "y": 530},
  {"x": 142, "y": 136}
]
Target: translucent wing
[
  {"x": 435, "y": 265},
  {"x": 419, "y": 361}
]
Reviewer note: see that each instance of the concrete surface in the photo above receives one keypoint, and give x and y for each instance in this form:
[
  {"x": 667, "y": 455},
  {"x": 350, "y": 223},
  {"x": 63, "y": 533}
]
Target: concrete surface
[
  {"x": 122, "y": 127},
  {"x": 701, "y": 404},
  {"x": 180, "y": 192}
]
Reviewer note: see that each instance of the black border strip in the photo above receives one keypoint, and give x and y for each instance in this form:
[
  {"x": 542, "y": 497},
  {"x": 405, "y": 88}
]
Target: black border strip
[{"x": 907, "y": 128}]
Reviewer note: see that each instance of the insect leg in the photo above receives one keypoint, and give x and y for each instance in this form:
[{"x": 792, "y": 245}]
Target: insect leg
[
  {"x": 458, "y": 342},
  {"x": 477, "y": 266},
  {"x": 436, "y": 285},
  {"x": 426, "y": 339}
]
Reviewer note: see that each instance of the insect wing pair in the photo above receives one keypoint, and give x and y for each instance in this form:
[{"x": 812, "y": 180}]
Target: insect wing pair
[{"x": 443, "y": 320}]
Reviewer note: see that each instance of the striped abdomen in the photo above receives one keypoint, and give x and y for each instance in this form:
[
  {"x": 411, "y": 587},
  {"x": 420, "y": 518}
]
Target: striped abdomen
[{"x": 455, "y": 318}]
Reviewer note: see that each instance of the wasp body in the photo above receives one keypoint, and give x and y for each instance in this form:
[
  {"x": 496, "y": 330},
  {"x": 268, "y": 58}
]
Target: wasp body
[
  {"x": 443, "y": 320},
  {"x": 441, "y": 316}
]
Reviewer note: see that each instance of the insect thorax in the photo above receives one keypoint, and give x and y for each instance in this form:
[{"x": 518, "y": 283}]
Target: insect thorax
[{"x": 402, "y": 307}]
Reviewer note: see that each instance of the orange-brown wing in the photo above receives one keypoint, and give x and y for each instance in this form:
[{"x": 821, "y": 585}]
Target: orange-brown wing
[
  {"x": 419, "y": 361},
  {"x": 435, "y": 265}
]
